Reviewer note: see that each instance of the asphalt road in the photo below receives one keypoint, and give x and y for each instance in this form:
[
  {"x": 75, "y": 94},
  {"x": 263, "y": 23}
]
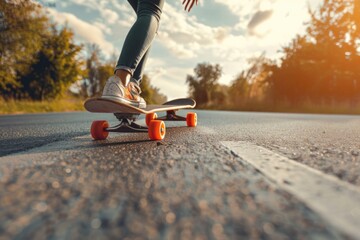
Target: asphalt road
[{"x": 59, "y": 184}]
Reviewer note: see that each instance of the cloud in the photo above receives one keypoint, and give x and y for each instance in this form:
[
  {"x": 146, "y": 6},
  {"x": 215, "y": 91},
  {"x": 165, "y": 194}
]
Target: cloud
[
  {"x": 258, "y": 18},
  {"x": 121, "y": 7},
  {"x": 183, "y": 35},
  {"x": 109, "y": 15},
  {"x": 105, "y": 9},
  {"x": 178, "y": 50},
  {"x": 183, "y": 40},
  {"x": 92, "y": 4},
  {"x": 248, "y": 12},
  {"x": 171, "y": 81},
  {"x": 103, "y": 27},
  {"x": 234, "y": 6},
  {"x": 84, "y": 31}
]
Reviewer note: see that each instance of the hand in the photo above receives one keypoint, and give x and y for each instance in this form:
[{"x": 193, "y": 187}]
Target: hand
[{"x": 189, "y": 4}]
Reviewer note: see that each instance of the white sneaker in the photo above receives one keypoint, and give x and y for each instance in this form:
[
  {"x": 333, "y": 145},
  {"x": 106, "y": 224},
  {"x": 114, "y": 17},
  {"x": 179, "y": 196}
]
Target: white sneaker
[{"x": 115, "y": 90}]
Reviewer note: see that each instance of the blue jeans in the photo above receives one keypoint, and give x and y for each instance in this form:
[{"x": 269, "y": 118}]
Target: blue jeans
[{"x": 137, "y": 43}]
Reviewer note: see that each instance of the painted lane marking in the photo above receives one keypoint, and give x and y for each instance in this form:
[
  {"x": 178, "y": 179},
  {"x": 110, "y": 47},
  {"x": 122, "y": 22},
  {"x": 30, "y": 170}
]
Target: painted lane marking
[{"x": 336, "y": 201}]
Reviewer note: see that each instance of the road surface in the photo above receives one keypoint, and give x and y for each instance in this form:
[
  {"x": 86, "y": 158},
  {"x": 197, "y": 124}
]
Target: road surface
[{"x": 59, "y": 184}]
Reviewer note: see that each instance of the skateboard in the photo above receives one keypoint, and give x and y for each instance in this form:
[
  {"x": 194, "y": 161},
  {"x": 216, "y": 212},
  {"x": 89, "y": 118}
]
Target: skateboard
[{"x": 127, "y": 115}]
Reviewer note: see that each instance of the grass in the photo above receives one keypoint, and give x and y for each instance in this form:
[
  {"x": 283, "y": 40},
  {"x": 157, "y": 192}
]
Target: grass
[
  {"x": 69, "y": 103},
  {"x": 27, "y": 106}
]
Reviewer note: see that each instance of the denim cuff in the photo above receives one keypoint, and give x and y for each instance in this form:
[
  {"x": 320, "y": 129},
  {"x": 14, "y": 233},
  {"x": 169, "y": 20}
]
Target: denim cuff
[{"x": 131, "y": 71}]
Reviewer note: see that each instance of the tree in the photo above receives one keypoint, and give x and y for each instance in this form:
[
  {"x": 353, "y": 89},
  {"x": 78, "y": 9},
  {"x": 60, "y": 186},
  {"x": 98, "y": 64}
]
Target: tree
[
  {"x": 23, "y": 25},
  {"x": 104, "y": 71},
  {"x": 97, "y": 72},
  {"x": 295, "y": 79},
  {"x": 333, "y": 29},
  {"x": 323, "y": 65},
  {"x": 55, "y": 66},
  {"x": 252, "y": 84},
  {"x": 37, "y": 61},
  {"x": 150, "y": 93},
  {"x": 93, "y": 62},
  {"x": 203, "y": 86},
  {"x": 239, "y": 90}
]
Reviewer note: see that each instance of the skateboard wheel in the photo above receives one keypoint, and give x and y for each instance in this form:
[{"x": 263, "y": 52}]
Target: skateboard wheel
[
  {"x": 191, "y": 119},
  {"x": 150, "y": 117},
  {"x": 98, "y": 130},
  {"x": 157, "y": 130}
]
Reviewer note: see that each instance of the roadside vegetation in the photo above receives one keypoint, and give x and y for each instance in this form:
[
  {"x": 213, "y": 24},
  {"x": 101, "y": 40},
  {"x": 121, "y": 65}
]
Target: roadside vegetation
[
  {"x": 64, "y": 104},
  {"x": 319, "y": 71},
  {"x": 40, "y": 62}
]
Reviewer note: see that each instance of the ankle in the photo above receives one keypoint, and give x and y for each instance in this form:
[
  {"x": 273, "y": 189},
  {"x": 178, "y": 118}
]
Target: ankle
[{"x": 124, "y": 76}]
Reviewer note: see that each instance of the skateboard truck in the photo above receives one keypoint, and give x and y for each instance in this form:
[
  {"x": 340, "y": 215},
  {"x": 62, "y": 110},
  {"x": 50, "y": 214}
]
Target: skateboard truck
[
  {"x": 127, "y": 125},
  {"x": 127, "y": 122},
  {"x": 171, "y": 116},
  {"x": 130, "y": 116}
]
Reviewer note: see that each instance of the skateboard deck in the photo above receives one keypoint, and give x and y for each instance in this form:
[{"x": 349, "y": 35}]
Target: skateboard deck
[
  {"x": 104, "y": 105},
  {"x": 128, "y": 114}
]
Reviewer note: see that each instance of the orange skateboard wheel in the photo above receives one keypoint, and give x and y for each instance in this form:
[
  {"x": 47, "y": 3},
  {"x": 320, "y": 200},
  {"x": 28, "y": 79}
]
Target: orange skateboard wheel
[
  {"x": 98, "y": 130},
  {"x": 150, "y": 117},
  {"x": 191, "y": 119},
  {"x": 157, "y": 130}
]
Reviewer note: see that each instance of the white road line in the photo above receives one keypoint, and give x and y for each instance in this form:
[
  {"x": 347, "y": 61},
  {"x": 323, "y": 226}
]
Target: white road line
[{"x": 336, "y": 201}]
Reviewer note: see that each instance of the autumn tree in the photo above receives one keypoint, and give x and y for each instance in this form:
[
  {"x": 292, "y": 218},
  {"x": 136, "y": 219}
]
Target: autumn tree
[
  {"x": 323, "y": 65},
  {"x": 294, "y": 80},
  {"x": 252, "y": 84},
  {"x": 334, "y": 29}
]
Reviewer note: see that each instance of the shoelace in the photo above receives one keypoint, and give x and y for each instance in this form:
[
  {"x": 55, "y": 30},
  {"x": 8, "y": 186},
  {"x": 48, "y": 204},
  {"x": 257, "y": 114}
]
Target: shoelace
[{"x": 134, "y": 88}]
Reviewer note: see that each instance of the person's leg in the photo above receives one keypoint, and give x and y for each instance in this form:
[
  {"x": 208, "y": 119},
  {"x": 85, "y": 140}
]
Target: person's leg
[
  {"x": 138, "y": 73},
  {"x": 138, "y": 41},
  {"x": 134, "y": 53},
  {"x": 125, "y": 75}
]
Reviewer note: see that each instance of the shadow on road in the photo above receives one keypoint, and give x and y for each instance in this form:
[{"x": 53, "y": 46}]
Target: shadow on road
[
  {"x": 78, "y": 141},
  {"x": 102, "y": 143},
  {"x": 20, "y": 144}
]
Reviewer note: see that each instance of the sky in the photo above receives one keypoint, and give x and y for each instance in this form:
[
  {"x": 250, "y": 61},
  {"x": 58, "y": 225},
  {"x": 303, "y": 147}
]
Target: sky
[{"x": 225, "y": 32}]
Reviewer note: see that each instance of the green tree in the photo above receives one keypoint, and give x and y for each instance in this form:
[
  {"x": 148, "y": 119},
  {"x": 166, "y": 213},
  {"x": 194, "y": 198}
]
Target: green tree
[
  {"x": 203, "y": 85},
  {"x": 23, "y": 25},
  {"x": 55, "y": 66}
]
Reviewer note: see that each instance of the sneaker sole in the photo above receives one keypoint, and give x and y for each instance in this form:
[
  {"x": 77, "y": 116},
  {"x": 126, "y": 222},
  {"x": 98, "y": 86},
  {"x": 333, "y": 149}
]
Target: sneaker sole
[{"x": 124, "y": 101}]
